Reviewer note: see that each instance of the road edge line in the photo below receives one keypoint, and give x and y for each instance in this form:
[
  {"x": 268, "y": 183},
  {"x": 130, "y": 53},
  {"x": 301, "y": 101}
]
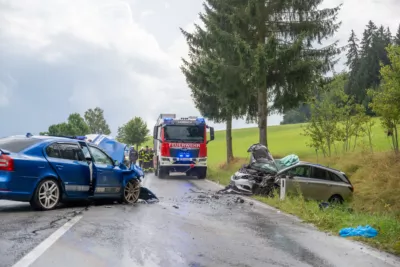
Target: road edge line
[{"x": 40, "y": 249}]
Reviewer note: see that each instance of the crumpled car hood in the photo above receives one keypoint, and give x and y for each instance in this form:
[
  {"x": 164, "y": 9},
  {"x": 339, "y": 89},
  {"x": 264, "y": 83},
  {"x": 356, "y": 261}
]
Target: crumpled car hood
[
  {"x": 261, "y": 159},
  {"x": 111, "y": 146}
]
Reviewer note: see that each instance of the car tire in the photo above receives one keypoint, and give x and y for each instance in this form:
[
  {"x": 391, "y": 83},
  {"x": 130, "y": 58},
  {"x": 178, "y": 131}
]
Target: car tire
[
  {"x": 336, "y": 200},
  {"x": 131, "y": 192},
  {"x": 162, "y": 173},
  {"x": 47, "y": 195},
  {"x": 202, "y": 173}
]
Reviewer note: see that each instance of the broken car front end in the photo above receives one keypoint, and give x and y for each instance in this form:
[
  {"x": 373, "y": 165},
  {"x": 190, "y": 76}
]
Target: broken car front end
[{"x": 259, "y": 177}]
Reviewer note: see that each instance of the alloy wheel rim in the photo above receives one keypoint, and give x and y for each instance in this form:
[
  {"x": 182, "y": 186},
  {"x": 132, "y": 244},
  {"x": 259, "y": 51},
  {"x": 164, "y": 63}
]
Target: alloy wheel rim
[
  {"x": 132, "y": 191},
  {"x": 49, "y": 194}
]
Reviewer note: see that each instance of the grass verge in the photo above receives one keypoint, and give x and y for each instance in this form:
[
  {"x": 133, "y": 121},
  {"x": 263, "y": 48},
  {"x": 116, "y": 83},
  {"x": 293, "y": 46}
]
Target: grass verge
[
  {"x": 334, "y": 219},
  {"x": 376, "y": 199}
]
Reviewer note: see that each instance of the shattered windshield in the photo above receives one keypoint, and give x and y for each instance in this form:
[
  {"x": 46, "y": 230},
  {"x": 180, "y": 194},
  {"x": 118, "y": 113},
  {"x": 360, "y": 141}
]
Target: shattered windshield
[
  {"x": 265, "y": 166},
  {"x": 184, "y": 133}
]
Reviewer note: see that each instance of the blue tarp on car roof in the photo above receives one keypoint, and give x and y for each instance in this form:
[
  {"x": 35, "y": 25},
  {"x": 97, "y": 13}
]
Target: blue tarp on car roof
[{"x": 113, "y": 148}]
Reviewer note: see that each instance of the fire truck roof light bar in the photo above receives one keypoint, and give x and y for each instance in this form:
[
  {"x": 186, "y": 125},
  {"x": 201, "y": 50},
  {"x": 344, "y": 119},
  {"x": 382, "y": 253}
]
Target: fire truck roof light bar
[{"x": 198, "y": 120}]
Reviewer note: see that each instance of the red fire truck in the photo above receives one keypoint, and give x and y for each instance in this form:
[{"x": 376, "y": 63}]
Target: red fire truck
[{"x": 180, "y": 145}]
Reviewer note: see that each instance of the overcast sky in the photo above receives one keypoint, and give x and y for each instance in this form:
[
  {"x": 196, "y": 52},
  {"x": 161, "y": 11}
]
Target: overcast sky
[{"x": 64, "y": 56}]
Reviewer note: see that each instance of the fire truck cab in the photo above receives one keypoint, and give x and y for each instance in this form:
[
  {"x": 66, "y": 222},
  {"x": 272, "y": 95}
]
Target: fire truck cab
[{"x": 180, "y": 145}]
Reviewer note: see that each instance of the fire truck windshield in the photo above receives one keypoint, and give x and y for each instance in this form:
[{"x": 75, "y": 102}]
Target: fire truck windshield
[{"x": 184, "y": 133}]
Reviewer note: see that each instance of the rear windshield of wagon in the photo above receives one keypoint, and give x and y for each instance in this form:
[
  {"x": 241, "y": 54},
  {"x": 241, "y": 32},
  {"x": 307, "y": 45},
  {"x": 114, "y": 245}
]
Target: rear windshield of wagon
[{"x": 16, "y": 145}]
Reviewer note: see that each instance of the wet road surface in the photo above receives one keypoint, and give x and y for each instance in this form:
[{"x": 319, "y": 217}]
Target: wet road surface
[{"x": 186, "y": 228}]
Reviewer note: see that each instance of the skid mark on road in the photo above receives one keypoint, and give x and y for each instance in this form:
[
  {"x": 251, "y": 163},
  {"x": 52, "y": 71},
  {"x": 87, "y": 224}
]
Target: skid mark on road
[
  {"x": 32, "y": 256},
  {"x": 55, "y": 222}
]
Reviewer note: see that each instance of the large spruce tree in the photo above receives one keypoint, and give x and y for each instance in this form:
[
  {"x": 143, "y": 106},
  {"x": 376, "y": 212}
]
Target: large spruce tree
[
  {"x": 213, "y": 71},
  {"x": 281, "y": 54}
]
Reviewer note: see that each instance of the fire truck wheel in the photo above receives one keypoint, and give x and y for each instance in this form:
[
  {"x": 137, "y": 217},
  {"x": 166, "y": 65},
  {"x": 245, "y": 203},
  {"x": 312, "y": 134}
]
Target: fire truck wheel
[
  {"x": 161, "y": 172},
  {"x": 202, "y": 173}
]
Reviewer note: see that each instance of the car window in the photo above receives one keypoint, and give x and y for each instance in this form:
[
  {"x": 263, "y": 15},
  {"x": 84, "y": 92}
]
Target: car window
[
  {"x": 86, "y": 152},
  {"x": 71, "y": 152},
  {"x": 320, "y": 174},
  {"x": 300, "y": 171},
  {"x": 334, "y": 177},
  {"x": 53, "y": 151},
  {"x": 99, "y": 156},
  {"x": 16, "y": 145}
]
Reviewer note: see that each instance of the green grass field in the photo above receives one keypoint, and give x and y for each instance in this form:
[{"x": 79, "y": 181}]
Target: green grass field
[{"x": 282, "y": 140}]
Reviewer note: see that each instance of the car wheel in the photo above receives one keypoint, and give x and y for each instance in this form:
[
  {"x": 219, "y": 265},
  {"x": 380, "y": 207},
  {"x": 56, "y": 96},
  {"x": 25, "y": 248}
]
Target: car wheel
[
  {"x": 336, "y": 200},
  {"x": 47, "y": 195},
  {"x": 202, "y": 173},
  {"x": 131, "y": 191}
]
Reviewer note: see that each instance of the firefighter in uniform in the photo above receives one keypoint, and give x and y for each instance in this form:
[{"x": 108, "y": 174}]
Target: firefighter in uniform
[
  {"x": 146, "y": 159},
  {"x": 133, "y": 156},
  {"x": 151, "y": 157},
  {"x": 141, "y": 157}
]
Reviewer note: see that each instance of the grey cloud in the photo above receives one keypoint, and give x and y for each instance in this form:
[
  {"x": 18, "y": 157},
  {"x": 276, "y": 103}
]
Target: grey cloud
[{"x": 50, "y": 68}]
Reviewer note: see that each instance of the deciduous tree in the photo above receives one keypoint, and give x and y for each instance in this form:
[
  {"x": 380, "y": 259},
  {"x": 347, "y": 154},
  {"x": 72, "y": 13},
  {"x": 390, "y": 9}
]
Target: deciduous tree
[
  {"x": 134, "y": 132},
  {"x": 74, "y": 126},
  {"x": 386, "y": 101},
  {"x": 96, "y": 121}
]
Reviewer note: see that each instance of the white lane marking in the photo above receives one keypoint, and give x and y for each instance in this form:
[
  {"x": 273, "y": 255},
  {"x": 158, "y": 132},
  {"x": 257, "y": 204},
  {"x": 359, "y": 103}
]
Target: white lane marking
[{"x": 32, "y": 256}]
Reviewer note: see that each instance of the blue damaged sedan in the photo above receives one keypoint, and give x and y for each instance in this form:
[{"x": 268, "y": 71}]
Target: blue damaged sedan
[{"x": 47, "y": 170}]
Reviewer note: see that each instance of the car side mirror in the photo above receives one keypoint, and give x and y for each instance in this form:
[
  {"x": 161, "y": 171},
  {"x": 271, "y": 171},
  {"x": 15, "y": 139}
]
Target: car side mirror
[
  {"x": 155, "y": 131},
  {"x": 212, "y": 136}
]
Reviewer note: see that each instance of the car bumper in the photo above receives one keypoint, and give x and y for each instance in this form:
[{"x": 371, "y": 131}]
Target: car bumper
[
  {"x": 171, "y": 162},
  {"x": 242, "y": 185},
  {"x": 16, "y": 196}
]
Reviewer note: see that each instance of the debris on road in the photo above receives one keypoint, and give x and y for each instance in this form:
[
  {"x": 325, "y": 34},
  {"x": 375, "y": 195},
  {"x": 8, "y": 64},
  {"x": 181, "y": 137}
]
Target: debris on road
[
  {"x": 323, "y": 205},
  {"x": 175, "y": 206},
  {"x": 147, "y": 195},
  {"x": 239, "y": 200}
]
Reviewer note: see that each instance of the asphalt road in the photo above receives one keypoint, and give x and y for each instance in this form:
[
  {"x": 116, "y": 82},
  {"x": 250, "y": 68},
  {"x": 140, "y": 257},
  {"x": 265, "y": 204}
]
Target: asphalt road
[{"x": 186, "y": 228}]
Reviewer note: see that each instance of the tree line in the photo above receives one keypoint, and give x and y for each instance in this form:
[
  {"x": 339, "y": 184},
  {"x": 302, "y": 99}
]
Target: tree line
[
  {"x": 134, "y": 132},
  {"x": 363, "y": 60},
  {"x": 252, "y": 58},
  {"x": 340, "y": 119}
]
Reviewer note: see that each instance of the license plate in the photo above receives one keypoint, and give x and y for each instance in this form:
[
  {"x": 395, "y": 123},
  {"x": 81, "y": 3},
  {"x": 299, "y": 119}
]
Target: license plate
[{"x": 185, "y": 159}]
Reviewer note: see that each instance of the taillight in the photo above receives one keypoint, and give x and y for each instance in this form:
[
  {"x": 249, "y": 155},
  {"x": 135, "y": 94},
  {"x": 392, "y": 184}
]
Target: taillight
[{"x": 6, "y": 163}]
